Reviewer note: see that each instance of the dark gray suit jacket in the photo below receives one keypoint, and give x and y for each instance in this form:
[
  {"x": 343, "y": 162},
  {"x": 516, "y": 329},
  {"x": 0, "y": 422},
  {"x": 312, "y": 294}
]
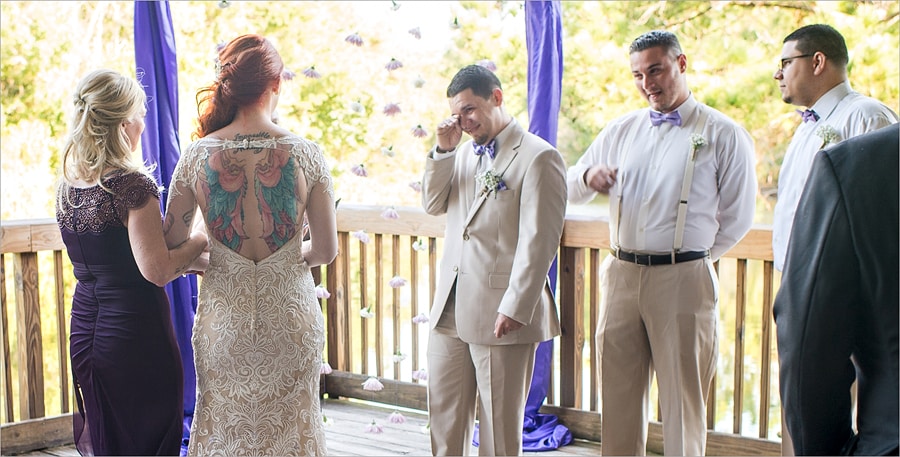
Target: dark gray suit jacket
[{"x": 837, "y": 309}]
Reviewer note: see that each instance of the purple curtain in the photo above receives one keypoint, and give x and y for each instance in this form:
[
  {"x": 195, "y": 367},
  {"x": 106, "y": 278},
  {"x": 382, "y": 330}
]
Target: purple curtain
[
  {"x": 154, "y": 50},
  {"x": 543, "y": 33}
]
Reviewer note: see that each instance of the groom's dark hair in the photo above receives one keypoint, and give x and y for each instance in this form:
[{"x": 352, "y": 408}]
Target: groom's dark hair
[{"x": 481, "y": 80}]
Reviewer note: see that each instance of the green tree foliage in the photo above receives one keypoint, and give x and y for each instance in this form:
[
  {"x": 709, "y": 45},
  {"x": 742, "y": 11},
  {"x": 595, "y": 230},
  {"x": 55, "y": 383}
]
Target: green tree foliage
[{"x": 732, "y": 49}]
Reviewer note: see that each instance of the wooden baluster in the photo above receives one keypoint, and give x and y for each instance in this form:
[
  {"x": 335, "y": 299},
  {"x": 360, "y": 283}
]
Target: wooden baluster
[
  {"x": 62, "y": 348},
  {"x": 30, "y": 346},
  {"x": 395, "y": 301},
  {"x": 363, "y": 304},
  {"x": 594, "y": 313},
  {"x": 6, "y": 361},
  {"x": 739, "y": 328},
  {"x": 766, "y": 359},
  {"x": 571, "y": 299},
  {"x": 414, "y": 301},
  {"x": 379, "y": 302}
]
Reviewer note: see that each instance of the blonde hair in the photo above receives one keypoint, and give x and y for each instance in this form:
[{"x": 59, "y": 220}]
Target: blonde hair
[{"x": 97, "y": 144}]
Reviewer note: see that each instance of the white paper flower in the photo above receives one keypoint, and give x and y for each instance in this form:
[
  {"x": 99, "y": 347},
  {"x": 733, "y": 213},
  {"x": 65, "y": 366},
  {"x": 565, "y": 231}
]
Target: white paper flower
[
  {"x": 397, "y": 281},
  {"x": 326, "y": 421},
  {"x": 418, "y": 82},
  {"x": 367, "y": 313},
  {"x": 416, "y": 32},
  {"x": 325, "y": 368},
  {"x": 388, "y": 151},
  {"x": 420, "y": 318},
  {"x": 420, "y": 245},
  {"x": 322, "y": 292},
  {"x": 373, "y": 384},
  {"x": 399, "y": 357},
  {"x": 357, "y": 107}
]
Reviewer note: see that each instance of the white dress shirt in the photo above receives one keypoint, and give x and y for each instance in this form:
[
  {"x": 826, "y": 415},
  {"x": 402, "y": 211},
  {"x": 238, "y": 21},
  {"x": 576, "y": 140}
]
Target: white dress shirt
[
  {"x": 850, "y": 114},
  {"x": 651, "y": 163}
]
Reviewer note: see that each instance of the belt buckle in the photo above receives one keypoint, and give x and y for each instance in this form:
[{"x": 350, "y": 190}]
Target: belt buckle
[{"x": 643, "y": 259}]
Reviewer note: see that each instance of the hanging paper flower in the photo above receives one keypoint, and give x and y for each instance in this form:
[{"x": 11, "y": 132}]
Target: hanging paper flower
[
  {"x": 393, "y": 64},
  {"x": 416, "y": 185},
  {"x": 418, "y": 82},
  {"x": 397, "y": 281},
  {"x": 419, "y": 245},
  {"x": 419, "y": 131},
  {"x": 455, "y": 24},
  {"x": 287, "y": 75},
  {"x": 391, "y": 109},
  {"x": 359, "y": 170},
  {"x": 399, "y": 356},
  {"x": 396, "y": 418},
  {"x": 326, "y": 421},
  {"x": 489, "y": 64},
  {"x": 224, "y": 4},
  {"x": 312, "y": 73},
  {"x": 388, "y": 151},
  {"x": 390, "y": 213},
  {"x": 220, "y": 46},
  {"x": 367, "y": 313},
  {"x": 361, "y": 235},
  {"x": 420, "y": 318},
  {"x": 373, "y": 384},
  {"x": 426, "y": 429},
  {"x": 325, "y": 368},
  {"x": 374, "y": 428},
  {"x": 416, "y": 33},
  {"x": 420, "y": 375},
  {"x": 357, "y": 107},
  {"x": 354, "y": 39},
  {"x": 322, "y": 292},
  {"x": 394, "y": 5}
]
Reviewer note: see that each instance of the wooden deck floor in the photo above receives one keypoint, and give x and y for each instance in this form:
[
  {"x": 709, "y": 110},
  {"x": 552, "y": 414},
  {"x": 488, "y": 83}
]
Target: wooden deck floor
[{"x": 348, "y": 436}]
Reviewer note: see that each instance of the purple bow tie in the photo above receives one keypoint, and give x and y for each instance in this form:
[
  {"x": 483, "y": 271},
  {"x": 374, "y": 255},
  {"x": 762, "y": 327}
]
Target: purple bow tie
[
  {"x": 808, "y": 115},
  {"x": 488, "y": 148},
  {"x": 658, "y": 118}
]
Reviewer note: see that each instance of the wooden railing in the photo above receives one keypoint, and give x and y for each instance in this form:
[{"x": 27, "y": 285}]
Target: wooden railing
[{"x": 390, "y": 346}]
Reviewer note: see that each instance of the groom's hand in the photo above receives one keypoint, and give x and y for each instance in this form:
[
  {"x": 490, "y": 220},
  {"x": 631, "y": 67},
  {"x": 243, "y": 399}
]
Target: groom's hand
[{"x": 504, "y": 325}]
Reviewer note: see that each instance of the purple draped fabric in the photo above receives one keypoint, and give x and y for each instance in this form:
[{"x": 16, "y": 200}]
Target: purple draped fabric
[
  {"x": 543, "y": 33},
  {"x": 154, "y": 49}
]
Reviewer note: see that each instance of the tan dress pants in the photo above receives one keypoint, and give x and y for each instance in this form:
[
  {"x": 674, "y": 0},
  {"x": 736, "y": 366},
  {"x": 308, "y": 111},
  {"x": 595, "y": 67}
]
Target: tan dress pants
[
  {"x": 498, "y": 376},
  {"x": 660, "y": 319}
]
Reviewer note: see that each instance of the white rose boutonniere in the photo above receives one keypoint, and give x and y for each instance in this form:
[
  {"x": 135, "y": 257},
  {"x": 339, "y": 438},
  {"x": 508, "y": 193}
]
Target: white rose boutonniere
[
  {"x": 697, "y": 142},
  {"x": 828, "y": 135}
]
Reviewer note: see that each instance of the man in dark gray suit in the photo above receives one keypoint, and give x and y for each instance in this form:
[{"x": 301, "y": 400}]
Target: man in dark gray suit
[{"x": 837, "y": 310}]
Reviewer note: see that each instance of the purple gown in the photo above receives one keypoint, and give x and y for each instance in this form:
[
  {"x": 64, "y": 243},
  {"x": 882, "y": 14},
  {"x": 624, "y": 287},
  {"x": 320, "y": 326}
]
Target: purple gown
[{"x": 126, "y": 366}]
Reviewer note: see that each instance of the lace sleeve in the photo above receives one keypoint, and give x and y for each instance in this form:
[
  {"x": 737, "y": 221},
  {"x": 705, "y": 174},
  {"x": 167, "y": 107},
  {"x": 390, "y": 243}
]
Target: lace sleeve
[
  {"x": 131, "y": 191},
  {"x": 314, "y": 165},
  {"x": 187, "y": 170}
]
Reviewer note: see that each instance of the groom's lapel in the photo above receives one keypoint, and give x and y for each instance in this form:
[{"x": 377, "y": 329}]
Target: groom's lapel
[{"x": 482, "y": 196}]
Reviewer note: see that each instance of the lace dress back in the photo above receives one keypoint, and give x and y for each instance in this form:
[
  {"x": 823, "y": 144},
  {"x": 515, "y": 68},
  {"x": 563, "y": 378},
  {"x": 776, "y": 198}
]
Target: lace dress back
[{"x": 259, "y": 332}]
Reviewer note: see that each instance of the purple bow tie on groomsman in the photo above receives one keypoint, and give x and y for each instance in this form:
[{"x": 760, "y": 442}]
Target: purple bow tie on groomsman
[
  {"x": 808, "y": 115},
  {"x": 481, "y": 149},
  {"x": 658, "y": 118}
]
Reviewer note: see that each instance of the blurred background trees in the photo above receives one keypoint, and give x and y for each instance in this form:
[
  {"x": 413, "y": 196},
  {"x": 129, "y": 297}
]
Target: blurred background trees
[{"x": 732, "y": 48}]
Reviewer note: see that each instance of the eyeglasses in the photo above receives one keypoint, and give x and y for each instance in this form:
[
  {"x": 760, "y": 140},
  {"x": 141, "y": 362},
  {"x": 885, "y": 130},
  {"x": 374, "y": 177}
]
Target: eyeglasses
[{"x": 788, "y": 60}]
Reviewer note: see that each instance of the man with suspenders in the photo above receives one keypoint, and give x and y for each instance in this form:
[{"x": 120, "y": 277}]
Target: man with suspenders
[{"x": 682, "y": 187}]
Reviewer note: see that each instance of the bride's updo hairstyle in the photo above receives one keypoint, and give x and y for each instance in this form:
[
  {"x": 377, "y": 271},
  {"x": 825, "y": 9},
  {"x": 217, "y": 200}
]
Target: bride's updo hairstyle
[
  {"x": 97, "y": 142},
  {"x": 245, "y": 68}
]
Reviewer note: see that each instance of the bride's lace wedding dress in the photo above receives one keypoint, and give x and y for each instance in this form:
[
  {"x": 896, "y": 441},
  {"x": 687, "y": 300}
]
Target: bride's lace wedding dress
[{"x": 259, "y": 332}]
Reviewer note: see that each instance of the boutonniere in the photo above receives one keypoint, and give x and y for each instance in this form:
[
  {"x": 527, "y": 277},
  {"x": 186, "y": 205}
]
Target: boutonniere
[
  {"x": 490, "y": 181},
  {"x": 697, "y": 142},
  {"x": 828, "y": 135}
]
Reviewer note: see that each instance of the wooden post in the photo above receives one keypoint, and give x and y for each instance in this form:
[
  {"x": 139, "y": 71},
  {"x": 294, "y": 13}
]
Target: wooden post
[
  {"x": 30, "y": 347},
  {"x": 338, "y": 325},
  {"x": 571, "y": 314}
]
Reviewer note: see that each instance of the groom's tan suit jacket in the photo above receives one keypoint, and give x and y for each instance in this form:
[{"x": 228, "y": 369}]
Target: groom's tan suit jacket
[{"x": 499, "y": 246}]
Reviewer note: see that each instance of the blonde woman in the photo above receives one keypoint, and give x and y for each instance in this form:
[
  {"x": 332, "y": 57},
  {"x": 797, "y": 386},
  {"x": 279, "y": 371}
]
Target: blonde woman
[{"x": 125, "y": 361}]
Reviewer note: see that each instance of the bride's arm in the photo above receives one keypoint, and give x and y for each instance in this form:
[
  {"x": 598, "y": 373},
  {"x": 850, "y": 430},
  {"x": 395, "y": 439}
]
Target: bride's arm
[{"x": 321, "y": 248}]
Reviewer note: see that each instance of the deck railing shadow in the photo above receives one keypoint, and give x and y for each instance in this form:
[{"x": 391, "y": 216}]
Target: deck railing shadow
[{"x": 388, "y": 267}]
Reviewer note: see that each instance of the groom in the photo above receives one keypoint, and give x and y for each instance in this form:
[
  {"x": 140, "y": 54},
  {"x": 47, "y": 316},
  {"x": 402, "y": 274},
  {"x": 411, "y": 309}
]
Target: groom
[{"x": 504, "y": 194}]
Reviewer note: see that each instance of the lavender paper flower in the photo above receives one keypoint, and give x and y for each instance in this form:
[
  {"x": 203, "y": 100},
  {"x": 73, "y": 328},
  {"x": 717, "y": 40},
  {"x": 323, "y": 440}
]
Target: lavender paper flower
[
  {"x": 354, "y": 39},
  {"x": 420, "y": 318},
  {"x": 359, "y": 170},
  {"x": 420, "y": 375},
  {"x": 390, "y": 214},
  {"x": 416, "y": 33},
  {"x": 396, "y": 418},
  {"x": 489, "y": 64},
  {"x": 374, "y": 428},
  {"x": 393, "y": 64},
  {"x": 325, "y": 368},
  {"x": 322, "y": 292},
  {"x": 391, "y": 109},
  {"x": 397, "y": 282},
  {"x": 287, "y": 75},
  {"x": 419, "y": 131},
  {"x": 361, "y": 235},
  {"x": 312, "y": 73}
]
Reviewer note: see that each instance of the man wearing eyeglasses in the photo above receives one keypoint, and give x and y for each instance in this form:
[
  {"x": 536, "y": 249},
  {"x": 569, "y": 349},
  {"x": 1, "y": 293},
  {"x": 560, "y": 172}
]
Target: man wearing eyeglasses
[{"x": 813, "y": 75}]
